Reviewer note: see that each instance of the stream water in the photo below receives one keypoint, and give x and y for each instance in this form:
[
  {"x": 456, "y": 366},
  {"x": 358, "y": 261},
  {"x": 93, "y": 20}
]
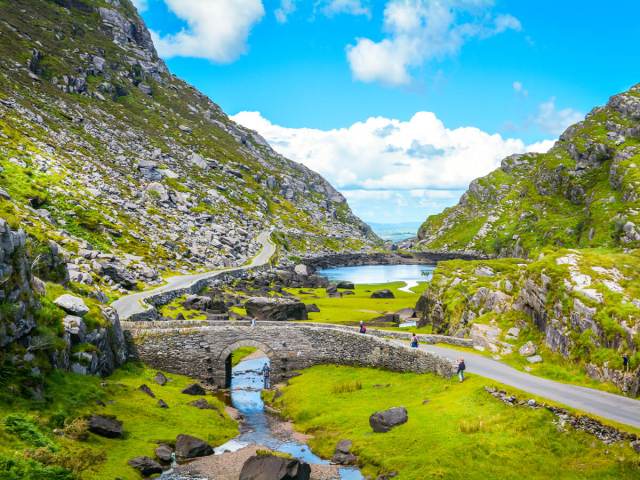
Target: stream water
[{"x": 256, "y": 426}]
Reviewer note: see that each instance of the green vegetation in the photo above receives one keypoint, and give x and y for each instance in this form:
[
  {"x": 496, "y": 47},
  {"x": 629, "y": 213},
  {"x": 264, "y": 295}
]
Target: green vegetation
[
  {"x": 351, "y": 309},
  {"x": 240, "y": 354},
  {"x": 460, "y": 432},
  {"x": 175, "y": 308},
  {"x": 29, "y": 449}
]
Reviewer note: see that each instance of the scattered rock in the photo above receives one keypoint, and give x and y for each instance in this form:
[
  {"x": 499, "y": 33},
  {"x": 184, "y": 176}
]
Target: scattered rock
[
  {"x": 384, "y": 421},
  {"x": 343, "y": 455},
  {"x": 312, "y": 308},
  {"x": 191, "y": 447},
  {"x": 161, "y": 379},
  {"x": 162, "y": 404},
  {"x": 202, "y": 404},
  {"x": 528, "y": 349},
  {"x": 385, "y": 293},
  {"x": 534, "y": 359},
  {"x": 272, "y": 467},
  {"x": 346, "y": 285},
  {"x": 195, "y": 389},
  {"x": 72, "y": 305},
  {"x": 164, "y": 453},
  {"x": 104, "y": 426},
  {"x": 145, "y": 465},
  {"x": 144, "y": 388}
]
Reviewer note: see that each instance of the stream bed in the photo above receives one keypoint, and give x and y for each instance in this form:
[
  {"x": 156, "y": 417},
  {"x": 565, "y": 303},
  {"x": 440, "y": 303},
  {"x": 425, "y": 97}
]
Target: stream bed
[{"x": 259, "y": 428}]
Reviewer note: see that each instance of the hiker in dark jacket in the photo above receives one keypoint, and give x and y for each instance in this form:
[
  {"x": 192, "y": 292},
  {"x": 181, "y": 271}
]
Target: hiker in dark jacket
[
  {"x": 625, "y": 362},
  {"x": 266, "y": 372},
  {"x": 363, "y": 329},
  {"x": 461, "y": 368}
]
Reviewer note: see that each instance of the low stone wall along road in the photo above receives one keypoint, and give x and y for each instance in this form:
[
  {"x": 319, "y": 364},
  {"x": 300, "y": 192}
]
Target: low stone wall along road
[{"x": 139, "y": 306}]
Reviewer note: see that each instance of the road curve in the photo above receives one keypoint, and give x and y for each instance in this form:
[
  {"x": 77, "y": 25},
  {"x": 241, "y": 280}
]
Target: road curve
[
  {"x": 602, "y": 404},
  {"x": 135, "y": 303}
]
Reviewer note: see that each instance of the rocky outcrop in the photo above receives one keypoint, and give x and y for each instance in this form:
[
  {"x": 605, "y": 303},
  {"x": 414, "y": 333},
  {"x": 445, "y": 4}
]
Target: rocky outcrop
[
  {"x": 109, "y": 427},
  {"x": 191, "y": 447},
  {"x": 276, "y": 309}
]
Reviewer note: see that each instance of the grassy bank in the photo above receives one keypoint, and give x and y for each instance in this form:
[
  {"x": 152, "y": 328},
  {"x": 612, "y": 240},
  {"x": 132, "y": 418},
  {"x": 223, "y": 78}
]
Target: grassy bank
[
  {"x": 240, "y": 354},
  {"x": 351, "y": 309},
  {"x": 459, "y": 433},
  {"x": 33, "y": 451}
]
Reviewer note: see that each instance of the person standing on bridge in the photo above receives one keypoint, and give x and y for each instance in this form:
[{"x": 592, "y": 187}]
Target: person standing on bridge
[
  {"x": 461, "y": 368},
  {"x": 266, "y": 373},
  {"x": 414, "y": 341}
]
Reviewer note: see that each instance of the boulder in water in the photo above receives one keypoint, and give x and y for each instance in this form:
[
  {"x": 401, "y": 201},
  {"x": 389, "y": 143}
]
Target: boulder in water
[
  {"x": 191, "y": 447},
  {"x": 145, "y": 465},
  {"x": 272, "y": 467}
]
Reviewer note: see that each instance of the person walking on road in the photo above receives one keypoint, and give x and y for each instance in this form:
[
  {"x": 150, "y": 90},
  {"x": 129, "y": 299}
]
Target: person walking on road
[
  {"x": 363, "y": 329},
  {"x": 625, "y": 361},
  {"x": 461, "y": 368},
  {"x": 253, "y": 322},
  {"x": 266, "y": 373},
  {"x": 414, "y": 341}
]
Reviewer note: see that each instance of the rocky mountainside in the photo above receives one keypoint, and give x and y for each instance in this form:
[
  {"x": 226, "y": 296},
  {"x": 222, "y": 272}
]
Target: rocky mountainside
[
  {"x": 584, "y": 192},
  {"x": 131, "y": 171},
  {"x": 572, "y": 218}
]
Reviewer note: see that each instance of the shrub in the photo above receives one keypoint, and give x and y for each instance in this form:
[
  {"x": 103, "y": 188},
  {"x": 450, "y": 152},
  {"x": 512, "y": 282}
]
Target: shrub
[
  {"x": 77, "y": 429},
  {"x": 19, "y": 469},
  {"x": 27, "y": 430},
  {"x": 347, "y": 387},
  {"x": 472, "y": 426}
]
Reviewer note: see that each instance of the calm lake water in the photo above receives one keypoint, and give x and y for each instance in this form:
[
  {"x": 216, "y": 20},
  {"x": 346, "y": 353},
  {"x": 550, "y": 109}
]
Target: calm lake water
[{"x": 410, "y": 274}]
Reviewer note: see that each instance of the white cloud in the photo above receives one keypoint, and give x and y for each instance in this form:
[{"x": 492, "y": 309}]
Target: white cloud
[
  {"x": 382, "y": 154},
  {"x": 422, "y": 30},
  {"x": 216, "y": 29},
  {"x": 331, "y": 8},
  {"x": 287, "y": 7},
  {"x": 141, "y": 5},
  {"x": 519, "y": 88},
  {"x": 554, "y": 121}
]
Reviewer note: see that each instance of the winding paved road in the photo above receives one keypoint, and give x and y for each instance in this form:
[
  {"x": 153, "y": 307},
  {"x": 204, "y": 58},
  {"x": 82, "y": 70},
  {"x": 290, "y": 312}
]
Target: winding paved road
[
  {"x": 134, "y": 304},
  {"x": 606, "y": 405}
]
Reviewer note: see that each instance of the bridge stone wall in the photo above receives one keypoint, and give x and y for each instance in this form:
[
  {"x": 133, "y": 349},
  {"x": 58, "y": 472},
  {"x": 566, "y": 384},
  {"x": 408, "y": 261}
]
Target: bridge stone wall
[{"x": 201, "y": 351}]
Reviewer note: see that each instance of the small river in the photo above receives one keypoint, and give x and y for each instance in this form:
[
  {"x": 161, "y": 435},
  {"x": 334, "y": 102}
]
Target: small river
[{"x": 256, "y": 426}]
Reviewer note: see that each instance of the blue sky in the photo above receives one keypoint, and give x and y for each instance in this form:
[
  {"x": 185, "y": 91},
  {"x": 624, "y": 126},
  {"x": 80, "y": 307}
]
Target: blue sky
[{"x": 375, "y": 95}]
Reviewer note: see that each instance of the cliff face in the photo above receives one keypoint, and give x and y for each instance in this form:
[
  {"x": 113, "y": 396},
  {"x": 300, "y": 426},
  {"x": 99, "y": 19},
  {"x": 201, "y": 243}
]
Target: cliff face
[
  {"x": 580, "y": 304},
  {"x": 130, "y": 170},
  {"x": 585, "y": 192}
]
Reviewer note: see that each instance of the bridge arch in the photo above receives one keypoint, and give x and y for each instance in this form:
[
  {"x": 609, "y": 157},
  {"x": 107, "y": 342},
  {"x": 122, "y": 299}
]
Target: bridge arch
[{"x": 226, "y": 356}]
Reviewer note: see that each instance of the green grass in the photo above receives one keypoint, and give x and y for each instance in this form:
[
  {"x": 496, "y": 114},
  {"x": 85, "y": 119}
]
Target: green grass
[
  {"x": 175, "y": 308},
  {"x": 30, "y": 424},
  {"x": 351, "y": 309},
  {"x": 460, "y": 433},
  {"x": 240, "y": 354}
]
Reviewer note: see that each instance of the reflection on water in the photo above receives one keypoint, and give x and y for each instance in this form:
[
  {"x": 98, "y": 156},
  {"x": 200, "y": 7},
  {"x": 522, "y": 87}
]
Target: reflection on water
[
  {"x": 246, "y": 385},
  {"x": 410, "y": 274}
]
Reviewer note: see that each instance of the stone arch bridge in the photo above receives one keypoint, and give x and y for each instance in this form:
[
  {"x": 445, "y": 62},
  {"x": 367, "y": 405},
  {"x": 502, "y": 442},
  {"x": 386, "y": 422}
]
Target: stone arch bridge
[{"x": 203, "y": 350}]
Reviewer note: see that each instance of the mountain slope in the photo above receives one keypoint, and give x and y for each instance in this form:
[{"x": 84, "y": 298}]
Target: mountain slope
[
  {"x": 108, "y": 154},
  {"x": 584, "y": 192}
]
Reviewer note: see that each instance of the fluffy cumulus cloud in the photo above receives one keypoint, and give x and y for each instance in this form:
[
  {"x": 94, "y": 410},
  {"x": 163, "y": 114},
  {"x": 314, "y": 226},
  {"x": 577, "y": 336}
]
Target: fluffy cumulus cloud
[
  {"x": 418, "y": 31},
  {"x": 553, "y": 121},
  {"x": 419, "y": 162},
  {"x": 216, "y": 30}
]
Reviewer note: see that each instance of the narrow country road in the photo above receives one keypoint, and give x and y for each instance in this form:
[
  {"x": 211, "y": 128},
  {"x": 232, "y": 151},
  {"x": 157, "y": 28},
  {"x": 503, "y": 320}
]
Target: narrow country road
[
  {"x": 606, "y": 405},
  {"x": 133, "y": 304}
]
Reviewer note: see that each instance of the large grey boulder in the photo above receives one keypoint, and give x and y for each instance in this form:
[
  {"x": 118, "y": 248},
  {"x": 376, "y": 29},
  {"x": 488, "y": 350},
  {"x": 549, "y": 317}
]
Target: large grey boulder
[
  {"x": 194, "y": 389},
  {"x": 276, "y": 309},
  {"x": 383, "y": 294},
  {"x": 72, "y": 305},
  {"x": 271, "y": 467},
  {"x": 382, "y": 422},
  {"x": 119, "y": 274},
  {"x": 346, "y": 285},
  {"x": 109, "y": 427},
  {"x": 527, "y": 349},
  {"x": 191, "y": 447},
  {"x": 145, "y": 465}
]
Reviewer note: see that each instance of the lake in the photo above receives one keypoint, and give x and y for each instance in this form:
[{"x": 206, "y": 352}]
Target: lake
[{"x": 410, "y": 274}]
